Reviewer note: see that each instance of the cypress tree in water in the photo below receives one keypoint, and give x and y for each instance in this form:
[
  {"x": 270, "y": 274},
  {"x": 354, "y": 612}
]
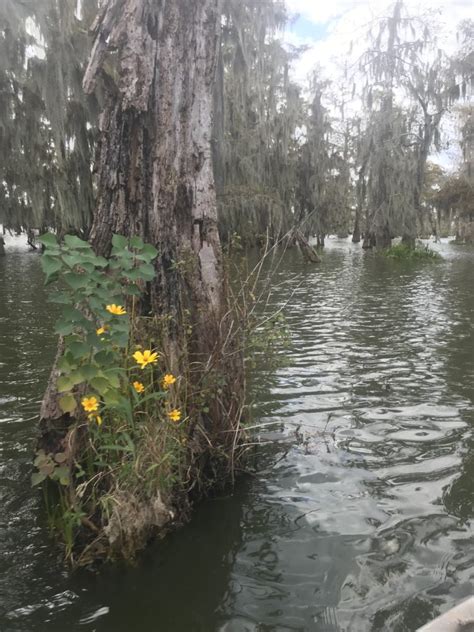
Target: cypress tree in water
[{"x": 155, "y": 181}]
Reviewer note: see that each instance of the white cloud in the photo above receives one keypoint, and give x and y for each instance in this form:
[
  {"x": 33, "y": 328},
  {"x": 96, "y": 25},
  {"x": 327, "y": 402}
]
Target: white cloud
[{"x": 347, "y": 21}]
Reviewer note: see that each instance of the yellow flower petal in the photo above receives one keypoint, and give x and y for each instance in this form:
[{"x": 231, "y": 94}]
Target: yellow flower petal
[
  {"x": 168, "y": 380},
  {"x": 174, "y": 415},
  {"x": 139, "y": 387},
  {"x": 118, "y": 310},
  {"x": 90, "y": 404},
  {"x": 96, "y": 418},
  {"x": 145, "y": 358}
]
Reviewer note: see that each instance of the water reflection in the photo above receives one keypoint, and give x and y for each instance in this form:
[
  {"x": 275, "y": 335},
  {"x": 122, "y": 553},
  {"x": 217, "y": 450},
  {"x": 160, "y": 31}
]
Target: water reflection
[{"x": 359, "y": 515}]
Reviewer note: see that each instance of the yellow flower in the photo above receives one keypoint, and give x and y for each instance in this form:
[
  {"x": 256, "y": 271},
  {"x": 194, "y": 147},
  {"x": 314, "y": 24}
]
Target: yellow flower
[
  {"x": 147, "y": 357},
  {"x": 101, "y": 330},
  {"x": 138, "y": 386},
  {"x": 90, "y": 404},
  {"x": 118, "y": 310},
  {"x": 96, "y": 418},
  {"x": 168, "y": 380},
  {"x": 174, "y": 415}
]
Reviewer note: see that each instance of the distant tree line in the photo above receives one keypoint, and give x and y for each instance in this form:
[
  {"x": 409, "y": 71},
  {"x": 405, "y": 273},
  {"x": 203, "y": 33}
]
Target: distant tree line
[{"x": 346, "y": 156}]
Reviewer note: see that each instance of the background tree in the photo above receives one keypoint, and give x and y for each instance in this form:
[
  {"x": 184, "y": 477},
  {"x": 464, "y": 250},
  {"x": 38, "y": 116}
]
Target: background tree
[
  {"x": 260, "y": 109},
  {"x": 46, "y": 121}
]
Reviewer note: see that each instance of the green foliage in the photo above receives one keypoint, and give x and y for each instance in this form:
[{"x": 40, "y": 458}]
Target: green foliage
[
  {"x": 94, "y": 324},
  {"x": 103, "y": 385},
  {"x": 52, "y": 467},
  {"x": 406, "y": 253}
]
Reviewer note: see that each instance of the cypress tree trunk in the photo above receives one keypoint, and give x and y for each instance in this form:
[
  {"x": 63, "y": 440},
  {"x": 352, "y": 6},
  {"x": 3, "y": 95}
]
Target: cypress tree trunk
[
  {"x": 356, "y": 231},
  {"x": 154, "y": 166},
  {"x": 155, "y": 180},
  {"x": 361, "y": 190}
]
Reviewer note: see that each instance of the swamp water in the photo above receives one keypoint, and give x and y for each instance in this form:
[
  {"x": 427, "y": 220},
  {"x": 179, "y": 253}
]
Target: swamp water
[{"x": 360, "y": 516}]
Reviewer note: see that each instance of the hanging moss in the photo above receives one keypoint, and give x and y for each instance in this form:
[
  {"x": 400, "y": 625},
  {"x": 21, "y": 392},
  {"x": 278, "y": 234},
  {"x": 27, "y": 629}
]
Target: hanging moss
[{"x": 46, "y": 121}]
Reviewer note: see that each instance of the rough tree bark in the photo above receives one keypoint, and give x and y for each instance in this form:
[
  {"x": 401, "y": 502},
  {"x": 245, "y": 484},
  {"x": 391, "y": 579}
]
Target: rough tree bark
[{"x": 155, "y": 180}]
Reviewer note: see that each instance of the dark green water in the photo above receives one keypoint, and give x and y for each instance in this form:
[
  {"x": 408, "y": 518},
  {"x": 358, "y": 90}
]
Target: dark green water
[{"x": 360, "y": 517}]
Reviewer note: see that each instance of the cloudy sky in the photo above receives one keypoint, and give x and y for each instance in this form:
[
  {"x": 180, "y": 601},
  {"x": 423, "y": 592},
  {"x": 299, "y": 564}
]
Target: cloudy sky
[{"x": 330, "y": 27}]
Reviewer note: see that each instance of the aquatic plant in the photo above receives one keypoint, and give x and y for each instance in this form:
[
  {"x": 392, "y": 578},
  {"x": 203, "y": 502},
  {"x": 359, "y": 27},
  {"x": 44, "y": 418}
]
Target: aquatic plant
[
  {"x": 119, "y": 436},
  {"x": 404, "y": 252}
]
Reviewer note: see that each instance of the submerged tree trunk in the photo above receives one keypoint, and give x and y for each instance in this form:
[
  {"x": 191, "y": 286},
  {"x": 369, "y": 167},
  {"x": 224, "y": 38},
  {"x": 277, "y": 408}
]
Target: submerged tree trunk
[
  {"x": 155, "y": 180},
  {"x": 356, "y": 231},
  {"x": 383, "y": 237},
  {"x": 361, "y": 192},
  {"x": 307, "y": 250},
  {"x": 409, "y": 240},
  {"x": 320, "y": 239}
]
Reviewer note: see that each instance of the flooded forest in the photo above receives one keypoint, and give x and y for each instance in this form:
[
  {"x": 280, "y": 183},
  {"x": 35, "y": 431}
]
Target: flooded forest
[{"x": 236, "y": 315}]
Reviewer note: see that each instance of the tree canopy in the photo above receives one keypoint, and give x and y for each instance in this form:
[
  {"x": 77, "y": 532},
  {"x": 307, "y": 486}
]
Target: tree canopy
[{"x": 323, "y": 158}]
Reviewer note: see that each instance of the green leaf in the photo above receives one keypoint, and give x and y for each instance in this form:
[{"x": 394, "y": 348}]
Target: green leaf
[
  {"x": 149, "y": 251},
  {"x": 111, "y": 398},
  {"x": 41, "y": 458},
  {"x": 71, "y": 260},
  {"x": 136, "y": 242},
  {"x": 77, "y": 377},
  {"x": 147, "y": 271},
  {"x": 60, "y": 457},
  {"x": 64, "y": 364},
  {"x": 64, "y": 329},
  {"x": 64, "y": 480},
  {"x": 88, "y": 267},
  {"x": 61, "y": 474},
  {"x": 113, "y": 379},
  {"x": 100, "y": 384},
  {"x": 48, "y": 240},
  {"x": 72, "y": 314},
  {"x": 64, "y": 384},
  {"x": 47, "y": 468},
  {"x": 133, "y": 275},
  {"x": 117, "y": 448},
  {"x": 79, "y": 349},
  {"x": 132, "y": 290},
  {"x": 50, "y": 265},
  {"x": 37, "y": 478},
  {"x": 120, "y": 242},
  {"x": 124, "y": 263},
  {"x": 153, "y": 396},
  {"x": 74, "y": 242},
  {"x": 75, "y": 280},
  {"x": 120, "y": 338},
  {"x": 105, "y": 357},
  {"x": 100, "y": 262},
  {"x": 89, "y": 371},
  {"x": 97, "y": 304},
  {"x": 67, "y": 403}
]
